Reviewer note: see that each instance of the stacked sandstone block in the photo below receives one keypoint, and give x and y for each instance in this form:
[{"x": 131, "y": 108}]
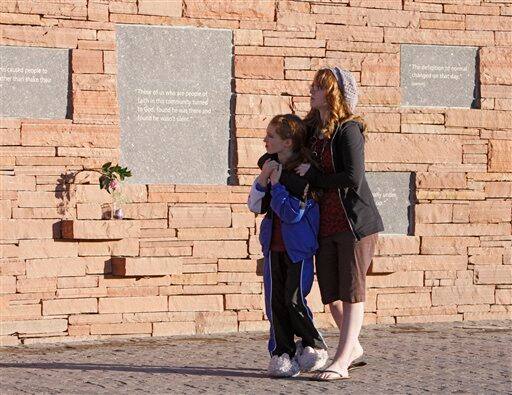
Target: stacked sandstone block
[{"x": 55, "y": 286}]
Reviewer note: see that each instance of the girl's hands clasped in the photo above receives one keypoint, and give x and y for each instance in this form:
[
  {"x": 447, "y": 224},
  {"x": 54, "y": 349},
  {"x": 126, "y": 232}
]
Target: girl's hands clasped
[
  {"x": 269, "y": 166},
  {"x": 266, "y": 170}
]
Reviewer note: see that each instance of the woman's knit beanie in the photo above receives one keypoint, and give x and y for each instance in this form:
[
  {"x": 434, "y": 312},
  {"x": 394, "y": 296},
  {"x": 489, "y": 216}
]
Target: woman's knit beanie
[{"x": 347, "y": 85}]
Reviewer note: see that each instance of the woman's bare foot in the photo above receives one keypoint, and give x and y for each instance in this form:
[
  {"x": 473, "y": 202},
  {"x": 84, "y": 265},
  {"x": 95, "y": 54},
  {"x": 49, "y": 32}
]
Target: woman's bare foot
[
  {"x": 335, "y": 371},
  {"x": 357, "y": 352}
]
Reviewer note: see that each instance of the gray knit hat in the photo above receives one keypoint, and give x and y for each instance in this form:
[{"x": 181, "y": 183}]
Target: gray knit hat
[{"x": 348, "y": 86}]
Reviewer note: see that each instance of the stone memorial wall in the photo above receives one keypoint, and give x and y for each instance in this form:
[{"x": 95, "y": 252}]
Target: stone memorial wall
[{"x": 435, "y": 91}]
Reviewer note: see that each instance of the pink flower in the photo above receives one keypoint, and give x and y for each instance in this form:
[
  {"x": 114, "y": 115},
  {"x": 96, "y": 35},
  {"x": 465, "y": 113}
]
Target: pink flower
[{"x": 114, "y": 184}]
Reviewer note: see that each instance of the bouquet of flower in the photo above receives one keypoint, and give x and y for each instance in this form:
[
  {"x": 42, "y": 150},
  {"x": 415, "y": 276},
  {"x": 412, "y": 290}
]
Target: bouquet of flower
[
  {"x": 112, "y": 175},
  {"x": 110, "y": 180}
]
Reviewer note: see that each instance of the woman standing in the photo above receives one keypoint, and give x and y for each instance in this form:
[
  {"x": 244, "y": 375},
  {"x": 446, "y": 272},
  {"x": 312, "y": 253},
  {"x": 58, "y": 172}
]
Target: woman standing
[{"x": 349, "y": 219}]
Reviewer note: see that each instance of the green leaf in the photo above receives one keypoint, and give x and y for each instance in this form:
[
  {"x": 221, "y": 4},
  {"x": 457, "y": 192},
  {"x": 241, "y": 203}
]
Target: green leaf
[
  {"x": 103, "y": 182},
  {"x": 110, "y": 173}
]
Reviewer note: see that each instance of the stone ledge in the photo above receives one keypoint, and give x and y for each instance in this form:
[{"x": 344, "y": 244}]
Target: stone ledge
[
  {"x": 146, "y": 266},
  {"x": 99, "y": 230}
]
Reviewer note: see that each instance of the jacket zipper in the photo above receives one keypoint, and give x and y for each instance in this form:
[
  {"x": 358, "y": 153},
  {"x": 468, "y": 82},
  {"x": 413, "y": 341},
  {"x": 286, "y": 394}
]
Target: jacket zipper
[{"x": 339, "y": 193}]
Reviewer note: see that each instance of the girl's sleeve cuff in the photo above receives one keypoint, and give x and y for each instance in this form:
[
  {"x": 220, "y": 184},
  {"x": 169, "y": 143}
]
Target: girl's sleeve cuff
[{"x": 259, "y": 187}]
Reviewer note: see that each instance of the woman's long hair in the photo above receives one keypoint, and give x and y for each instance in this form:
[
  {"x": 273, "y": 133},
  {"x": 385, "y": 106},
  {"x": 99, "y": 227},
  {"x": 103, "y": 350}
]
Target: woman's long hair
[
  {"x": 339, "y": 112},
  {"x": 290, "y": 126}
]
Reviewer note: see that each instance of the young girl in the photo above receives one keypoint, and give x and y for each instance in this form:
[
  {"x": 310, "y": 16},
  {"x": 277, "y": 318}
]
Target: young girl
[
  {"x": 349, "y": 219},
  {"x": 288, "y": 236}
]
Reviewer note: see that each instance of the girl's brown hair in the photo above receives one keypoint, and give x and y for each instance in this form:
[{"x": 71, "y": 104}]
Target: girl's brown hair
[
  {"x": 290, "y": 126},
  {"x": 339, "y": 112}
]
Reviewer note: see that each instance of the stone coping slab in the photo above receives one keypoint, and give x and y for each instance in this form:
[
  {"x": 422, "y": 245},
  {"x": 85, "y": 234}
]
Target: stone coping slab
[
  {"x": 99, "y": 230},
  {"x": 146, "y": 266}
]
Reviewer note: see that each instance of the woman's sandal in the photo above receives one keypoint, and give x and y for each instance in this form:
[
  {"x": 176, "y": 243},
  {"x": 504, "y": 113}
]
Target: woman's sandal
[
  {"x": 353, "y": 366},
  {"x": 337, "y": 376}
]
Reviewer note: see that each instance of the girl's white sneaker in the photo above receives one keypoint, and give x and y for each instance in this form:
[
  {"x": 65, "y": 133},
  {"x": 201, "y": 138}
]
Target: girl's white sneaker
[
  {"x": 309, "y": 358},
  {"x": 283, "y": 366}
]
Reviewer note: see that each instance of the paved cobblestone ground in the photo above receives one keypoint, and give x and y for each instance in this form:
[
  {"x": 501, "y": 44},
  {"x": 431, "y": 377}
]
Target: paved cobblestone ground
[{"x": 457, "y": 357}]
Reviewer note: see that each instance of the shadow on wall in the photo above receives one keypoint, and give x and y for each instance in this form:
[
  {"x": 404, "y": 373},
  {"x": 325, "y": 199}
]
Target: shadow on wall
[
  {"x": 413, "y": 201},
  {"x": 477, "y": 100},
  {"x": 64, "y": 191},
  {"x": 233, "y": 147}
]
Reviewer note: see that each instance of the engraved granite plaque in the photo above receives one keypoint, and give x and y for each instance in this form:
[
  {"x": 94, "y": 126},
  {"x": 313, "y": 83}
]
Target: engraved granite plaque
[
  {"x": 439, "y": 76},
  {"x": 34, "y": 82},
  {"x": 174, "y": 88},
  {"x": 394, "y": 196}
]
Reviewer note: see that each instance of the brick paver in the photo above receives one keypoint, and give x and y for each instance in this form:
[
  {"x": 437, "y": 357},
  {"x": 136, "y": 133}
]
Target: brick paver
[{"x": 464, "y": 357}]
